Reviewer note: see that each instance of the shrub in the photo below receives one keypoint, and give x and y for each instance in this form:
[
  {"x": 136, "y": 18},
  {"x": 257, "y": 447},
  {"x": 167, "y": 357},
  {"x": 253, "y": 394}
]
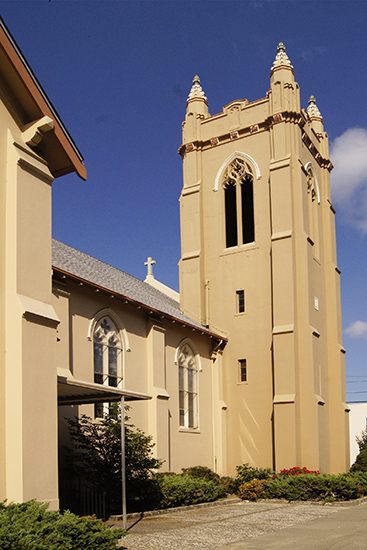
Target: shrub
[
  {"x": 229, "y": 484},
  {"x": 296, "y": 471},
  {"x": 202, "y": 472},
  {"x": 182, "y": 490},
  {"x": 247, "y": 473},
  {"x": 362, "y": 440},
  {"x": 251, "y": 490},
  {"x": 96, "y": 455},
  {"x": 360, "y": 464},
  {"x": 314, "y": 487},
  {"x": 30, "y": 526}
]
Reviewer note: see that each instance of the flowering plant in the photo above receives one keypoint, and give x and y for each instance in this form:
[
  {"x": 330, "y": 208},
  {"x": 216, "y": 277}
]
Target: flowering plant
[{"x": 296, "y": 471}]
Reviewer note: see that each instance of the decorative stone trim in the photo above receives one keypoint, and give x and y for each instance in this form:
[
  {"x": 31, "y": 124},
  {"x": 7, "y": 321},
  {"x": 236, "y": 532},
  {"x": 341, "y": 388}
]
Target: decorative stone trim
[
  {"x": 214, "y": 141},
  {"x": 254, "y": 128},
  {"x": 324, "y": 163},
  {"x": 234, "y": 135}
]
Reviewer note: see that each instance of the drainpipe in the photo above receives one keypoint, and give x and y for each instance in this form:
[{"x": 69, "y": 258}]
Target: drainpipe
[{"x": 123, "y": 477}]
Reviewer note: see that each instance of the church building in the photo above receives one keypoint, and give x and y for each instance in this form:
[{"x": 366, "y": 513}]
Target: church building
[{"x": 245, "y": 364}]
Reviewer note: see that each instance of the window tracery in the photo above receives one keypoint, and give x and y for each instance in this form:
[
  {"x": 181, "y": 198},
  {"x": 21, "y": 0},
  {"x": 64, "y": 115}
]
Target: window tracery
[
  {"x": 237, "y": 182},
  {"x": 107, "y": 353},
  {"x": 188, "y": 394}
]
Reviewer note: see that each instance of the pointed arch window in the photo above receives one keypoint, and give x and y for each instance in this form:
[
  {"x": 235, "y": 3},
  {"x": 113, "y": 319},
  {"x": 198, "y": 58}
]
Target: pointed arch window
[
  {"x": 107, "y": 353},
  {"x": 238, "y": 203},
  {"x": 313, "y": 210},
  {"x": 188, "y": 393}
]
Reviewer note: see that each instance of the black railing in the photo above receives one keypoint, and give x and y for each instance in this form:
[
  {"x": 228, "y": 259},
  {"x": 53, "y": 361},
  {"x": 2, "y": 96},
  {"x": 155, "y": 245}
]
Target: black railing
[{"x": 82, "y": 497}]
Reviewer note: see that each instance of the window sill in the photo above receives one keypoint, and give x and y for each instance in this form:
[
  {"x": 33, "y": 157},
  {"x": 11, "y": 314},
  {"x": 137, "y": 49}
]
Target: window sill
[
  {"x": 239, "y": 248},
  {"x": 189, "y": 430}
]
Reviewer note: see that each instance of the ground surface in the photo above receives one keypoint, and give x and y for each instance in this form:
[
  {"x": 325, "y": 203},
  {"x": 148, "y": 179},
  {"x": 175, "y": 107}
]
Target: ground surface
[{"x": 250, "y": 526}]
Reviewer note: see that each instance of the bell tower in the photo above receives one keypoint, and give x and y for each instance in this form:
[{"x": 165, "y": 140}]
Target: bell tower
[{"x": 258, "y": 262}]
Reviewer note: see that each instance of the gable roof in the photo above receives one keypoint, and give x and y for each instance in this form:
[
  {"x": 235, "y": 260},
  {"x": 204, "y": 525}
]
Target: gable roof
[
  {"x": 84, "y": 268},
  {"x": 31, "y": 103}
]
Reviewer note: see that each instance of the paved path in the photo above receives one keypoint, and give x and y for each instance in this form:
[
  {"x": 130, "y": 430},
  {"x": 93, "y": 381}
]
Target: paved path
[{"x": 253, "y": 526}]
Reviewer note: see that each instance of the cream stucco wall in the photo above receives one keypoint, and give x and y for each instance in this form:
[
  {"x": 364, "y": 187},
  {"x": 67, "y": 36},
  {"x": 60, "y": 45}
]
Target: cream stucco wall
[
  {"x": 291, "y": 410},
  {"x": 29, "y": 400},
  {"x": 148, "y": 366}
]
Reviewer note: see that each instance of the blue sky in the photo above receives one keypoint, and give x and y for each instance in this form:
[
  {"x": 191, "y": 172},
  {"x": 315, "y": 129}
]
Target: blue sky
[{"x": 119, "y": 72}]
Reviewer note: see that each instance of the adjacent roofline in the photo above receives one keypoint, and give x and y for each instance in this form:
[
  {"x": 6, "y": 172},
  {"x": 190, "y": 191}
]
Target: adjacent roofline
[
  {"x": 34, "y": 87},
  {"x": 77, "y": 392},
  {"x": 137, "y": 303}
]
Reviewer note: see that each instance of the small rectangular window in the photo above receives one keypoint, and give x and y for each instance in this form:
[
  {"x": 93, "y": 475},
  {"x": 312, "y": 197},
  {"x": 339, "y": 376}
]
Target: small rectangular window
[
  {"x": 98, "y": 410},
  {"x": 240, "y": 301},
  {"x": 242, "y": 370}
]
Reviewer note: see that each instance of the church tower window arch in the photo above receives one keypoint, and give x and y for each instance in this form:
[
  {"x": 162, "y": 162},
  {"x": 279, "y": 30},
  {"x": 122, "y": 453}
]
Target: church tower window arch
[
  {"x": 313, "y": 192},
  {"x": 237, "y": 182}
]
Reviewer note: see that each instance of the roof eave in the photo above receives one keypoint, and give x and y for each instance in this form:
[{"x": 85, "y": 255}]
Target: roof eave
[
  {"x": 151, "y": 310},
  {"x": 73, "y": 159}
]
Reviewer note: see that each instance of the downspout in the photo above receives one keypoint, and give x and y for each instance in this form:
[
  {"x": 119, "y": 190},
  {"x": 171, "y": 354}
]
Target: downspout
[
  {"x": 123, "y": 476},
  {"x": 272, "y": 326}
]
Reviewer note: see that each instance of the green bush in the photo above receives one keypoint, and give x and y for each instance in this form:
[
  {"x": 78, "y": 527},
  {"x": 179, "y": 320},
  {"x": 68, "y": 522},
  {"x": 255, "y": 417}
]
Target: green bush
[
  {"x": 95, "y": 454},
  {"x": 315, "y": 487},
  {"x": 229, "y": 484},
  {"x": 360, "y": 464},
  {"x": 182, "y": 490},
  {"x": 202, "y": 472},
  {"x": 251, "y": 490},
  {"x": 246, "y": 473},
  {"x": 30, "y": 526}
]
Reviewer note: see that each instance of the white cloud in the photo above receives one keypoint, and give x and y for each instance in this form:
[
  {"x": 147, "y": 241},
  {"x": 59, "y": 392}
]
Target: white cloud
[
  {"x": 358, "y": 329},
  {"x": 348, "y": 153}
]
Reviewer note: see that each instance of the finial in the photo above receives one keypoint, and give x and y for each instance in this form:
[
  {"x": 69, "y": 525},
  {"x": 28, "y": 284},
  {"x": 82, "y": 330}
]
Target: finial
[
  {"x": 281, "y": 47},
  {"x": 281, "y": 58},
  {"x": 312, "y": 109},
  {"x": 196, "y": 90},
  {"x": 149, "y": 263}
]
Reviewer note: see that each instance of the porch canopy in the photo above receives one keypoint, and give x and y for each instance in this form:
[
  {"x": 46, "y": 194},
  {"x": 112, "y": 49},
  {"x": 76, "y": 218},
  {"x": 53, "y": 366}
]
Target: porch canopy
[{"x": 76, "y": 392}]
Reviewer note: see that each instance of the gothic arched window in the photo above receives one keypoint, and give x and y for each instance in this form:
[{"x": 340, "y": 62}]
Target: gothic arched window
[
  {"x": 238, "y": 203},
  {"x": 187, "y": 381},
  {"x": 313, "y": 208},
  {"x": 106, "y": 353}
]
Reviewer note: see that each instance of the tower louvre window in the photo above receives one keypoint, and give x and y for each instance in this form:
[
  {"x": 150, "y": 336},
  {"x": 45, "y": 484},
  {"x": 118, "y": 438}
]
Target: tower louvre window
[{"x": 239, "y": 203}]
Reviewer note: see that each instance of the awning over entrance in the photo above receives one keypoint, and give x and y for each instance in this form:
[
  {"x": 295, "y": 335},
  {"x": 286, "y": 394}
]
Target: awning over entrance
[{"x": 75, "y": 392}]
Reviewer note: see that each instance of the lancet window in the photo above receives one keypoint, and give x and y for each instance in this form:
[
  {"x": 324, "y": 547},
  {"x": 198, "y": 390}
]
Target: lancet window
[
  {"x": 107, "y": 353},
  {"x": 188, "y": 393},
  {"x": 238, "y": 203},
  {"x": 313, "y": 210}
]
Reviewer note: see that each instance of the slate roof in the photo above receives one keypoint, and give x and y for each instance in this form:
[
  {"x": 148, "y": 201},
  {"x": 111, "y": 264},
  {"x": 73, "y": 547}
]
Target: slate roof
[{"x": 82, "y": 266}]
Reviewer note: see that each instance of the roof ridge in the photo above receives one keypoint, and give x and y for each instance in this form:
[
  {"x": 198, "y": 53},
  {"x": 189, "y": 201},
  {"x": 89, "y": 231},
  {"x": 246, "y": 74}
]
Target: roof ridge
[
  {"x": 116, "y": 269},
  {"x": 97, "y": 259}
]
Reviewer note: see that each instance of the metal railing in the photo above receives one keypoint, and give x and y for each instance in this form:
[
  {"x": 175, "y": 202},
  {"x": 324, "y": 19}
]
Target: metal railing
[{"x": 82, "y": 497}]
